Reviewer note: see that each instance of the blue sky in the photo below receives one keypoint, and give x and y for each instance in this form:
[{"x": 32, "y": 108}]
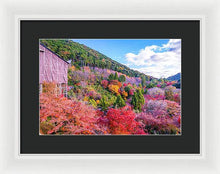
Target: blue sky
[{"x": 156, "y": 57}]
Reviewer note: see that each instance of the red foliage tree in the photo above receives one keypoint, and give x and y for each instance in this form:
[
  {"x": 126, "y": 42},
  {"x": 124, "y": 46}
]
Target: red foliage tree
[
  {"x": 59, "y": 115},
  {"x": 122, "y": 121},
  {"x": 104, "y": 83},
  {"x": 159, "y": 125}
]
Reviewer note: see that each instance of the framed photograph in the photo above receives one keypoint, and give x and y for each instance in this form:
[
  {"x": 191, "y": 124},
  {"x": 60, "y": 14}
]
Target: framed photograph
[
  {"x": 114, "y": 85},
  {"x": 84, "y": 92}
]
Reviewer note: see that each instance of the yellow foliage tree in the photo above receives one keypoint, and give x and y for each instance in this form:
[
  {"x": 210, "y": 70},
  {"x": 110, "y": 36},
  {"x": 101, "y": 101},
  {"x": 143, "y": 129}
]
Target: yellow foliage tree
[
  {"x": 124, "y": 94},
  {"x": 113, "y": 88}
]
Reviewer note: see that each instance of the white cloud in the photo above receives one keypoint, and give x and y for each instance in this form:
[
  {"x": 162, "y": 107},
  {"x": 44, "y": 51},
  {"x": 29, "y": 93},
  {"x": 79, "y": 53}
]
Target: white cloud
[{"x": 158, "y": 61}]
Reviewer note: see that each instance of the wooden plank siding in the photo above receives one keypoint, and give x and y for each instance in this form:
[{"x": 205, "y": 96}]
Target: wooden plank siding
[{"x": 52, "y": 68}]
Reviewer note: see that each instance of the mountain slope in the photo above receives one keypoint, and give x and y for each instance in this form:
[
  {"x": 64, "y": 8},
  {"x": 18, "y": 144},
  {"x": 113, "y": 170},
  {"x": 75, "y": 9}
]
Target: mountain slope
[
  {"x": 175, "y": 77},
  {"x": 81, "y": 55}
]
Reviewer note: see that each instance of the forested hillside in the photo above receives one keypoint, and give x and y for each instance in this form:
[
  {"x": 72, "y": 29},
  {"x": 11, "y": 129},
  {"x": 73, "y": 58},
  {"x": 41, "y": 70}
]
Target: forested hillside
[
  {"x": 81, "y": 55},
  {"x": 175, "y": 77}
]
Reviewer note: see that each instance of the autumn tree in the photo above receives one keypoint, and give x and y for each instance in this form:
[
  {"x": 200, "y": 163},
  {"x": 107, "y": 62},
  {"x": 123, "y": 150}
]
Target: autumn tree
[{"x": 114, "y": 88}]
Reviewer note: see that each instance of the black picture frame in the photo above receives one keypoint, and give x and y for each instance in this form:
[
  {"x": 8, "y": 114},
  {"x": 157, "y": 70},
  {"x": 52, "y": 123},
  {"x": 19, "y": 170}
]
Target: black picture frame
[{"x": 30, "y": 33}]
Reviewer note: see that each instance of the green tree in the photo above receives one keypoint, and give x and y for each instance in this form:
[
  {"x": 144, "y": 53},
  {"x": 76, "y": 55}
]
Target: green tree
[
  {"x": 134, "y": 101},
  {"x": 145, "y": 91},
  {"x": 147, "y": 78},
  {"x": 111, "y": 77},
  {"x": 138, "y": 100},
  {"x": 104, "y": 103},
  {"x": 151, "y": 85},
  {"x": 143, "y": 81},
  {"x": 121, "y": 78},
  {"x": 116, "y": 76},
  {"x": 140, "y": 96},
  {"x": 93, "y": 103},
  {"x": 119, "y": 102},
  {"x": 128, "y": 88}
]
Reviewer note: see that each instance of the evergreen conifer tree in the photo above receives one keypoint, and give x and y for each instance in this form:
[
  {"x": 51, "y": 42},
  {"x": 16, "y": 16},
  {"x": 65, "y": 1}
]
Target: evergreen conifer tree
[
  {"x": 121, "y": 78},
  {"x": 103, "y": 103},
  {"x": 111, "y": 77},
  {"x": 119, "y": 101},
  {"x": 143, "y": 81},
  {"x": 140, "y": 97},
  {"x": 137, "y": 100},
  {"x": 134, "y": 101},
  {"x": 116, "y": 76}
]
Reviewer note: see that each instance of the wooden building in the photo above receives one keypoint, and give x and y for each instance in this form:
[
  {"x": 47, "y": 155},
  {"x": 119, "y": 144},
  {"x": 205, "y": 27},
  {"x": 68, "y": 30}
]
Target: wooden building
[{"x": 52, "y": 68}]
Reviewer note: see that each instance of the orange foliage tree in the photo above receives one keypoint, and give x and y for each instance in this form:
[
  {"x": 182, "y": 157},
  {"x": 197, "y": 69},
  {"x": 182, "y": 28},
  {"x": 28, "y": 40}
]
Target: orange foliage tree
[
  {"x": 50, "y": 88},
  {"x": 60, "y": 115},
  {"x": 115, "y": 82},
  {"x": 124, "y": 94},
  {"x": 114, "y": 88}
]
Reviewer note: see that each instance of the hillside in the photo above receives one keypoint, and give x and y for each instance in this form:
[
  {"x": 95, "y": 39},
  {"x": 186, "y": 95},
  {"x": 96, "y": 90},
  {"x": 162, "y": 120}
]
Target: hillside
[
  {"x": 81, "y": 55},
  {"x": 102, "y": 98},
  {"x": 175, "y": 77}
]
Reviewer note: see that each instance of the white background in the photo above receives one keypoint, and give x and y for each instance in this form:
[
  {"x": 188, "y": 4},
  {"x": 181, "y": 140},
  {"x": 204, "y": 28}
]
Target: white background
[{"x": 206, "y": 10}]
